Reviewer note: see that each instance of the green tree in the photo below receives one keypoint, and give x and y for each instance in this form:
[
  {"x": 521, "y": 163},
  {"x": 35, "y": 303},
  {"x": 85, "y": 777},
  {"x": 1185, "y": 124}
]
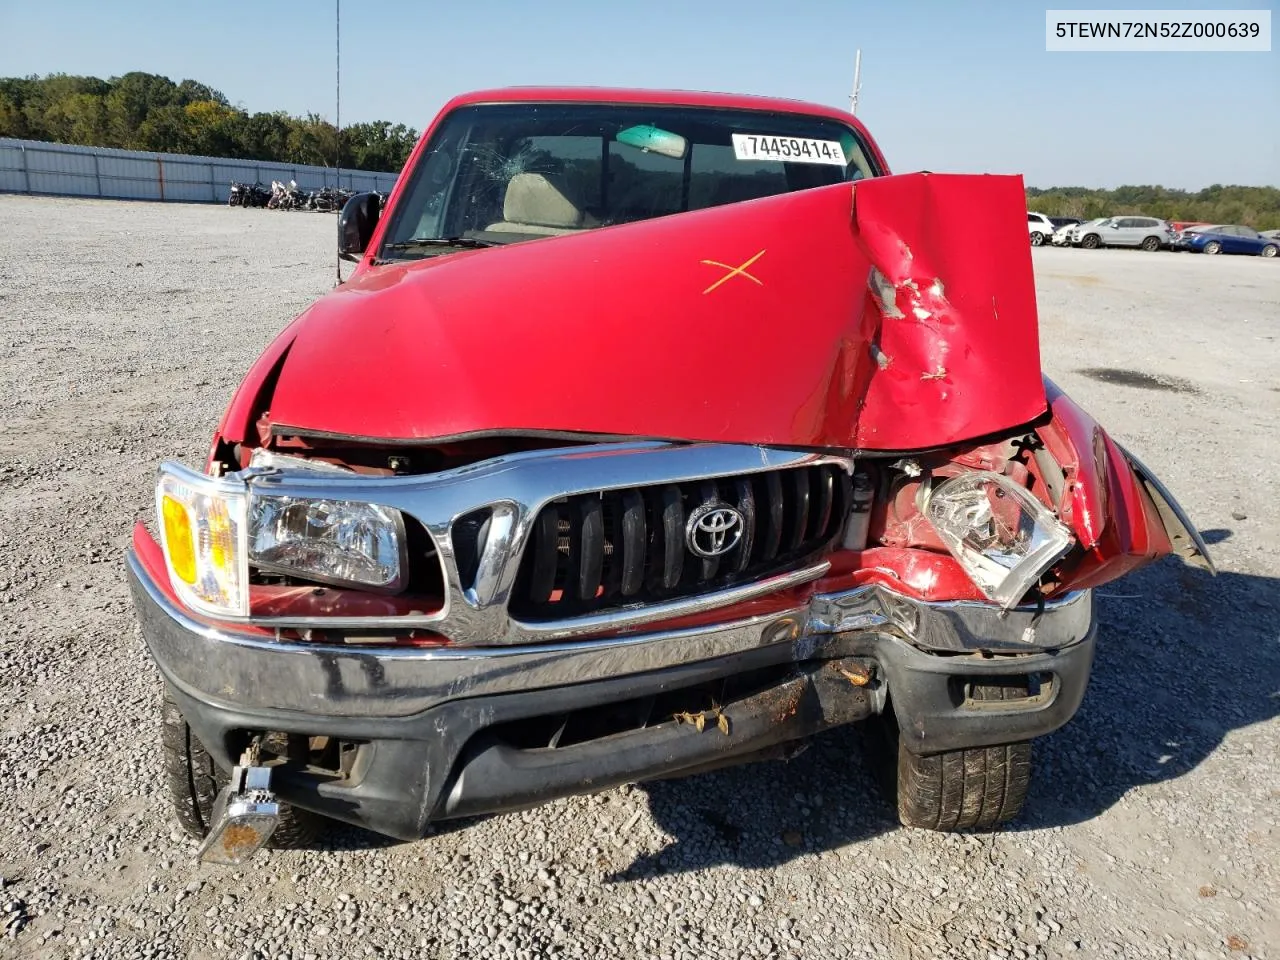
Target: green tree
[
  {"x": 378, "y": 145},
  {"x": 265, "y": 136},
  {"x": 13, "y": 122},
  {"x": 78, "y": 118},
  {"x": 212, "y": 129},
  {"x": 131, "y": 99},
  {"x": 312, "y": 141}
]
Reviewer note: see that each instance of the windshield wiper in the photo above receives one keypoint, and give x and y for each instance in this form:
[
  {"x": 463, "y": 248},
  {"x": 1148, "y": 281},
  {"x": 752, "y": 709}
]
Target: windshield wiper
[{"x": 462, "y": 243}]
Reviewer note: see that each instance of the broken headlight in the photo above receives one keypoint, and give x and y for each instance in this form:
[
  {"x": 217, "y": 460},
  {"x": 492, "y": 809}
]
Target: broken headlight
[
  {"x": 332, "y": 541},
  {"x": 202, "y": 532},
  {"x": 1003, "y": 536}
]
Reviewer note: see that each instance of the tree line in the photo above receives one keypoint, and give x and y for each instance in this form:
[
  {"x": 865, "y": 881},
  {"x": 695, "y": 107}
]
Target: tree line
[
  {"x": 143, "y": 111},
  {"x": 1257, "y": 207}
]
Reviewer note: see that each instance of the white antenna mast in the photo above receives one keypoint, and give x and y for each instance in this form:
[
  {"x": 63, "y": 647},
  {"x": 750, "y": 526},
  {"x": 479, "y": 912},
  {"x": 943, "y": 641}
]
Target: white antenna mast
[{"x": 857, "y": 82}]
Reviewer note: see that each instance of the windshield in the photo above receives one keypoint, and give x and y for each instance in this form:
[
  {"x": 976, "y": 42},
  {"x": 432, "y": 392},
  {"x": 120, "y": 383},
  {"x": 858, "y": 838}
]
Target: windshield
[{"x": 503, "y": 173}]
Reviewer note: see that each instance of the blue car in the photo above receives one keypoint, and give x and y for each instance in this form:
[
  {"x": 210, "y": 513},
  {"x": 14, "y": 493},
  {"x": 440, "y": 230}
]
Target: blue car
[{"x": 1226, "y": 238}]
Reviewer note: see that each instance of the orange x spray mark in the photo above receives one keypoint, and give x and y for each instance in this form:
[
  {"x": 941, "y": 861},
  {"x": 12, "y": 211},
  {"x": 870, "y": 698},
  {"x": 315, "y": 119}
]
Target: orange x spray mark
[{"x": 734, "y": 272}]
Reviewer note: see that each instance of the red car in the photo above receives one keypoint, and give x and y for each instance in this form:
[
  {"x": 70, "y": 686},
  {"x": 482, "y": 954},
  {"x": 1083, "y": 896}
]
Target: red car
[{"x": 652, "y": 432}]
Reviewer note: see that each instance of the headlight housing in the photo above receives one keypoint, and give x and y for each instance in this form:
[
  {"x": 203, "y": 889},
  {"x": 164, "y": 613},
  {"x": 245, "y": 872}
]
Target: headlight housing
[
  {"x": 202, "y": 531},
  {"x": 1003, "y": 536},
  {"x": 332, "y": 541}
]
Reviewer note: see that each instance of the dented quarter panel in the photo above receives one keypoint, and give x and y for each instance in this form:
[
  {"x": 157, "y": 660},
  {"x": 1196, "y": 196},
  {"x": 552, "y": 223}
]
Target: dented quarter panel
[{"x": 754, "y": 320}]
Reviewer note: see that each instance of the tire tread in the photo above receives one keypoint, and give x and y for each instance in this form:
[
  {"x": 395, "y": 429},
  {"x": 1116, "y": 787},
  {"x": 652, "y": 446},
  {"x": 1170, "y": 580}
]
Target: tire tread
[{"x": 976, "y": 789}]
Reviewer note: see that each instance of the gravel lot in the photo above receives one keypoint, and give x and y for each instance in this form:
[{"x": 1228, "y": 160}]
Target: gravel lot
[{"x": 1151, "y": 830}]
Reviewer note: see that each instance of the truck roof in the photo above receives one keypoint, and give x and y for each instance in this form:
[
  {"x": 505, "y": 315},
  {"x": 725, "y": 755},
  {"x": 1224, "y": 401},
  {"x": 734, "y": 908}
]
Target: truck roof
[{"x": 694, "y": 98}]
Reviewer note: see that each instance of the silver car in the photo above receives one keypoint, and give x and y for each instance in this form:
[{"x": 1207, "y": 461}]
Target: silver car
[{"x": 1148, "y": 233}]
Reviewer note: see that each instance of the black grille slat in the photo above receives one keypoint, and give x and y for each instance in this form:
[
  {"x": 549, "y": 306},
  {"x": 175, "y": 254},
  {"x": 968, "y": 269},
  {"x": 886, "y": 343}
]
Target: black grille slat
[
  {"x": 820, "y": 515},
  {"x": 545, "y": 554},
  {"x": 590, "y": 547},
  {"x": 633, "y": 543},
  {"x": 669, "y": 530},
  {"x": 708, "y": 493},
  {"x": 771, "y": 538},
  {"x": 746, "y": 504},
  {"x": 800, "y": 508},
  {"x": 589, "y": 552}
]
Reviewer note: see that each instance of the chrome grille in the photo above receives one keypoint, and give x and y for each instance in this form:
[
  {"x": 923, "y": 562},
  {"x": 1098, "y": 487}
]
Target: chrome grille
[
  {"x": 553, "y": 545},
  {"x": 604, "y": 549}
]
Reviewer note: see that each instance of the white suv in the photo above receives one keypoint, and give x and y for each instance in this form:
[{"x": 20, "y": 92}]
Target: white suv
[
  {"x": 1039, "y": 227},
  {"x": 1145, "y": 232}
]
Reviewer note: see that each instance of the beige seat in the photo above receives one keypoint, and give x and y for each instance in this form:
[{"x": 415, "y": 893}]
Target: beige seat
[{"x": 536, "y": 207}]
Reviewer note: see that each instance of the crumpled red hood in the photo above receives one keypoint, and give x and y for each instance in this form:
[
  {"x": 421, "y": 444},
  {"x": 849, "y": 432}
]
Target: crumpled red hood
[{"x": 896, "y": 314}]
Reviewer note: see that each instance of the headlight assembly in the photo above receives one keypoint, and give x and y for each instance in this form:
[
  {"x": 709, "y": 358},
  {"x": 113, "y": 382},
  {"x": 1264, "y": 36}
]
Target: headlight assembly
[
  {"x": 1003, "y": 536},
  {"x": 332, "y": 541},
  {"x": 214, "y": 529}
]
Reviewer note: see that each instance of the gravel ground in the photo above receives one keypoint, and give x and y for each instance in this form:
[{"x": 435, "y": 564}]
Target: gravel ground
[{"x": 1151, "y": 830}]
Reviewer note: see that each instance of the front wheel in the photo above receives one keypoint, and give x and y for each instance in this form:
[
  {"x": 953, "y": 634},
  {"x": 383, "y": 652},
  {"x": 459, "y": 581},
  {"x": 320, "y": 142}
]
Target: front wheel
[
  {"x": 1212, "y": 247},
  {"x": 1091, "y": 242},
  {"x": 963, "y": 789},
  {"x": 1151, "y": 244},
  {"x": 976, "y": 789},
  {"x": 194, "y": 781},
  {"x": 1268, "y": 251},
  {"x": 1037, "y": 239}
]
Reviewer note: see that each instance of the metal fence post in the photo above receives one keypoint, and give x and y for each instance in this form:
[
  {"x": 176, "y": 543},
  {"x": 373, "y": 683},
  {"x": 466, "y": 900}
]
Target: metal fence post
[
  {"x": 26, "y": 176},
  {"x": 213, "y": 190},
  {"x": 160, "y": 169},
  {"x": 97, "y": 174}
]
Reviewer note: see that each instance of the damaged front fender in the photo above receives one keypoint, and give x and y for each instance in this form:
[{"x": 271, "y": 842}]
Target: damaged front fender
[{"x": 1122, "y": 516}]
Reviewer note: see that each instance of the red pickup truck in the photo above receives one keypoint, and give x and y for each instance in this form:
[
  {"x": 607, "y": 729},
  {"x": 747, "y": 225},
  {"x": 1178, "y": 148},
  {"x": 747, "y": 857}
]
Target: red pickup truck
[{"x": 652, "y": 432}]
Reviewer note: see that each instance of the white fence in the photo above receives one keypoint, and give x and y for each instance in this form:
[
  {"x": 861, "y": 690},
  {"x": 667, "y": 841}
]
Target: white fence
[{"x": 33, "y": 166}]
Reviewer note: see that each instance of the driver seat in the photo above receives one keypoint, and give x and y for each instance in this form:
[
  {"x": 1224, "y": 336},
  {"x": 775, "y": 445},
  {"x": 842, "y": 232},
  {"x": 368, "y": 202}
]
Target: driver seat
[{"x": 534, "y": 206}]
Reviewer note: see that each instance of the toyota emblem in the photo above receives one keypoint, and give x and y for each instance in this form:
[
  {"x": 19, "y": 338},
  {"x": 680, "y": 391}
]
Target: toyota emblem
[{"x": 713, "y": 529}]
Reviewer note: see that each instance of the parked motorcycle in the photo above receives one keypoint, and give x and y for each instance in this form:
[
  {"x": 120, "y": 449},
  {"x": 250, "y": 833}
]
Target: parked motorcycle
[
  {"x": 287, "y": 196},
  {"x": 329, "y": 199},
  {"x": 258, "y": 196}
]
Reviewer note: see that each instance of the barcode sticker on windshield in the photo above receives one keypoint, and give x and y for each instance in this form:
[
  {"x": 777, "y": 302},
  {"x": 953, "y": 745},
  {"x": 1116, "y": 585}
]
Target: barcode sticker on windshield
[{"x": 751, "y": 146}]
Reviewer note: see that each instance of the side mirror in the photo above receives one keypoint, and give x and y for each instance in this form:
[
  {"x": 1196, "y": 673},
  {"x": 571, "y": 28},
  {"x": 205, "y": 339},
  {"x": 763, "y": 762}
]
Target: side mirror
[{"x": 356, "y": 224}]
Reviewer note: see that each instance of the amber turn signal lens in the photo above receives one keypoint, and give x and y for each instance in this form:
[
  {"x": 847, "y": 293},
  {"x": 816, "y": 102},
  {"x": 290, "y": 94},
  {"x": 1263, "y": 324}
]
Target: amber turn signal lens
[{"x": 179, "y": 539}]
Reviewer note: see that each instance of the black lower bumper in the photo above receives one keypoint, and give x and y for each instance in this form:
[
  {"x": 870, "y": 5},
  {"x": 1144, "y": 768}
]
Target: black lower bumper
[{"x": 478, "y": 752}]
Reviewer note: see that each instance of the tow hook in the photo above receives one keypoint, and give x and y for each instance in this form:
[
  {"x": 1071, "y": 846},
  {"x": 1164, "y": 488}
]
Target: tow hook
[{"x": 245, "y": 813}]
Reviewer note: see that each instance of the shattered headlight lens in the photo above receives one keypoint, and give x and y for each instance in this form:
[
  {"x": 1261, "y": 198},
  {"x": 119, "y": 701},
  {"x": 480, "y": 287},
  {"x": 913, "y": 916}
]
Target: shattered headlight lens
[
  {"x": 1003, "y": 536},
  {"x": 202, "y": 532},
  {"x": 331, "y": 541}
]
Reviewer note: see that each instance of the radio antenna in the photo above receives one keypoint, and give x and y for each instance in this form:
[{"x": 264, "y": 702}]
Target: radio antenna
[
  {"x": 337, "y": 112},
  {"x": 857, "y": 82}
]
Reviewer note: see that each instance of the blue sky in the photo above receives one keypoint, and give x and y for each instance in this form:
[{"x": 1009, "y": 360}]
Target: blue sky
[{"x": 947, "y": 86}]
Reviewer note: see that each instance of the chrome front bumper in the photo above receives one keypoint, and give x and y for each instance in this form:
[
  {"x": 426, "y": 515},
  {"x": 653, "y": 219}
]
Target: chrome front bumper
[
  {"x": 427, "y": 724},
  {"x": 248, "y": 671}
]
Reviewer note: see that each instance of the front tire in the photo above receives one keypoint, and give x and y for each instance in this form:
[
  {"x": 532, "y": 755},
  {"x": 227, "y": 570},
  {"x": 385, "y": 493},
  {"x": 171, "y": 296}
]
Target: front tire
[
  {"x": 1037, "y": 239},
  {"x": 1212, "y": 247},
  {"x": 963, "y": 789},
  {"x": 194, "y": 781},
  {"x": 1151, "y": 244},
  {"x": 1091, "y": 242},
  {"x": 1268, "y": 251},
  {"x": 954, "y": 790}
]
